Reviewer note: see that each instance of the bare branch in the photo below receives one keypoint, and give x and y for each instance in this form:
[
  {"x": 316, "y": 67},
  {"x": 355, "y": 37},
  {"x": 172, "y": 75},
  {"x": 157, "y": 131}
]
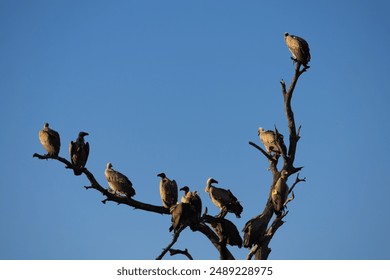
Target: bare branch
[
  {"x": 280, "y": 144},
  {"x": 278, "y": 222},
  {"x": 252, "y": 252},
  {"x": 173, "y": 252},
  {"x": 269, "y": 157},
  {"x": 291, "y": 198},
  {"x": 272, "y": 160},
  {"x": 67, "y": 163},
  {"x": 174, "y": 239},
  {"x": 283, "y": 84},
  {"x": 109, "y": 196},
  {"x": 224, "y": 253},
  {"x": 297, "y": 180}
]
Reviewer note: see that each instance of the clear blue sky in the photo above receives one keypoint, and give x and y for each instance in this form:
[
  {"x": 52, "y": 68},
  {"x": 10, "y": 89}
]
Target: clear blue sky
[{"x": 181, "y": 87}]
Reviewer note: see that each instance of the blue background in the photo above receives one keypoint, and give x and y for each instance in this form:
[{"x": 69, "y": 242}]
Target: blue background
[{"x": 181, "y": 87}]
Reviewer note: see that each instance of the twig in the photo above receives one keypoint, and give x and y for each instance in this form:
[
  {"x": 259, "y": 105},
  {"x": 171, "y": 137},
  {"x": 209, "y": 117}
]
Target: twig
[
  {"x": 173, "y": 252},
  {"x": 291, "y": 198},
  {"x": 269, "y": 157},
  {"x": 297, "y": 180}
]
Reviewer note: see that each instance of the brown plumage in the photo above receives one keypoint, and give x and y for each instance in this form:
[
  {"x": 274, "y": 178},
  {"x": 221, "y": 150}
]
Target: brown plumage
[
  {"x": 50, "y": 140},
  {"x": 223, "y": 199},
  {"x": 182, "y": 216},
  {"x": 270, "y": 141},
  {"x": 299, "y": 48},
  {"x": 226, "y": 231},
  {"x": 118, "y": 182},
  {"x": 254, "y": 230},
  {"x": 79, "y": 151},
  {"x": 279, "y": 193},
  {"x": 168, "y": 191},
  {"x": 193, "y": 199}
]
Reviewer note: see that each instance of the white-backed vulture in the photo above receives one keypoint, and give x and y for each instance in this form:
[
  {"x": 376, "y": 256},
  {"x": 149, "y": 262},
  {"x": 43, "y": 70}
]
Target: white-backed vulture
[
  {"x": 182, "y": 216},
  {"x": 299, "y": 48},
  {"x": 79, "y": 151},
  {"x": 168, "y": 191},
  {"x": 226, "y": 231},
  {"x": 193, "y": 199},
  {"x": 50, "y": 140},
  {"x": 254, "y": 230},
  {"x": 118, "y": 182},
  {"x": 223, "y": 199},
  {"x": 270, "y": 141},
  {"x": 279, "y": 193}
]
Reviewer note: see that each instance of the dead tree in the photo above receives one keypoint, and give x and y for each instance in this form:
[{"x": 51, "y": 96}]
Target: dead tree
[{"x": 259, "y": 230}]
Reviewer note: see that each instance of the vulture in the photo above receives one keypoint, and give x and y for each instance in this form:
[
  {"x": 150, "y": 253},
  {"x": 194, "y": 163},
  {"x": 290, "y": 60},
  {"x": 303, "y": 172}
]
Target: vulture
[
  {"x": 299, "y": 48},
  {"x": 118, "y": 182},
  {"x": 223, "y": 199},
  {"x": 270, "y": 141},
  {"x": 193, "y": 199},
  {"x": 79, "y": 151},
  {"x": 182, "y": 216},
  {"x": 168, "y": 191},
  {"x": 254, "y": 230},
  {"x": 226, "y": 231},
  {"x": 50, "y": 140},
  {"x": 279, "y": 192}
]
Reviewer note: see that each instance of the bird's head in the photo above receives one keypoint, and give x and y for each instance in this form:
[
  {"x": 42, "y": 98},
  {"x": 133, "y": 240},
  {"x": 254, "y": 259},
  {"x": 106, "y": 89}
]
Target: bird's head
[
  {"x": 260, "y": 130},
  {"x": 286, "y": 34},
  {"x": 211, "y": 180},
  {"x": 185, "y": 189},
  {"x": 109, "y": 165},
  {"x": 162, "y": 175},
  {"x": 46, "y": 125},
  {"x": 82, "y": 134}
]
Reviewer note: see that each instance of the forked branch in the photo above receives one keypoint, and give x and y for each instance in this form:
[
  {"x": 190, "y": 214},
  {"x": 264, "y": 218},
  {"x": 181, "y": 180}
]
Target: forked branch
[
  {"x": 174, "y": 239},
  {"x": 173, "y": 252}
]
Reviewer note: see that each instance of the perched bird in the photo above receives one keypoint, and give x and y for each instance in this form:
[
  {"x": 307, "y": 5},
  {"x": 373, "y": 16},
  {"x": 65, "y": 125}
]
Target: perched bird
[
  {"x": 226, "y": 231},
  {"x": 254, "y": 230},
  {"x": 79, "y": 151},
  {"x": 299, "y": 48},
  {"x": 168, "y": 191},
  {"x": 118, "y": 182},
  {"x": 193, "y": 199},
  {"x": 270, "y": 141},
  {"x": 182, "y": 216},
  {"x": 223, "y": 199},
  {"x": 279, "y": 193},
  {"x": 50, "y": 140}
]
